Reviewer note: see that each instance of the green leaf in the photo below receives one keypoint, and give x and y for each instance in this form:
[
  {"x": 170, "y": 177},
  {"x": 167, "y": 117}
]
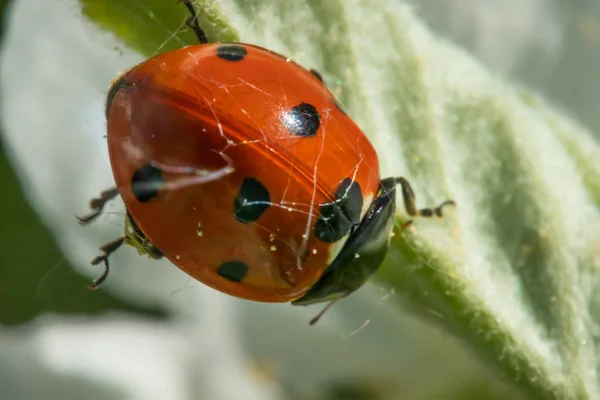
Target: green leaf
[
  {"x": 155, "y": 26},
  {"x": 512, "y": 271}
]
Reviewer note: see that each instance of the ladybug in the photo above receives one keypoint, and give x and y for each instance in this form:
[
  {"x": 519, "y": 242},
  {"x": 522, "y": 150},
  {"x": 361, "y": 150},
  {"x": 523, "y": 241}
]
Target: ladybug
[{"x": 242, "y": 169}]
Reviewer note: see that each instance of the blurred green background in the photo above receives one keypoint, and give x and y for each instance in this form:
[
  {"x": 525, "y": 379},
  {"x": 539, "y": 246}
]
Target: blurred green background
[{"x": 34, "y": 276}]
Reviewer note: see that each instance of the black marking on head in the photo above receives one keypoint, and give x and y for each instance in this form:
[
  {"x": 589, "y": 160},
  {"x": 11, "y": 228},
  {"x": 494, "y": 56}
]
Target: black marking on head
[
  {"x": 302, "y": 120},
  {"x": 231, "y": 52},
  {"x": 370, "y": 242},
  {"x": 146, "y": 182},
  {"x": 252, "y": 201},
  {"x": 338, "y": 105},
  {"x": 235, "y": 270},
  {"x": 339, "y": 217}
]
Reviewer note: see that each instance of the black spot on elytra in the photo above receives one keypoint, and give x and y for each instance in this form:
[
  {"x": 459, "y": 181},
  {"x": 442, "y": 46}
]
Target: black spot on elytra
[
  {"x": 317, "y": 75},
  {"x": 338, "y": 105},
  {"x": 146, "y": 182},
  {"x": 302, "y": 120},
  {"x": 339, "y": 217},
  {"x": 252, "y": 201},
  {"x": 231, "y": 52},
  {"x": 235, "y": 271}
]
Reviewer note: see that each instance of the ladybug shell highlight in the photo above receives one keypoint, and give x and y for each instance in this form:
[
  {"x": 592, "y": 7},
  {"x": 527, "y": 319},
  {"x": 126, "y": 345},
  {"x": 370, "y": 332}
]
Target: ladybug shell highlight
[{"x": 239, "y": 166}]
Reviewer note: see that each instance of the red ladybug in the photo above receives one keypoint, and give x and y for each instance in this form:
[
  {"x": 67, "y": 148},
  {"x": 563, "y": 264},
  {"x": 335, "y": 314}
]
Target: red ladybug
[{"x": 241, "y": 168}]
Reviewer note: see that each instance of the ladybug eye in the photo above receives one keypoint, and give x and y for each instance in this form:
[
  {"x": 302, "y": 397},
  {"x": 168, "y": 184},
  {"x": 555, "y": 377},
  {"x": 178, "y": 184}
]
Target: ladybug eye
[
  {"x": 338, "y": 218},
  {"x": 146, "y": 182},
  {"x": 302, "y": 120}
]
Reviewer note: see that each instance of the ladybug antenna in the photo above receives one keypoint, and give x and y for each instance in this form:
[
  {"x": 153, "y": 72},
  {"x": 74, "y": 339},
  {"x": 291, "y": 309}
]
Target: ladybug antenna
[
  {"x": 107, "y": 249},
  {"x": 323, "y": 311},
  {"x": 97, "y": 205},
  {"x": 192, "y": 22}
]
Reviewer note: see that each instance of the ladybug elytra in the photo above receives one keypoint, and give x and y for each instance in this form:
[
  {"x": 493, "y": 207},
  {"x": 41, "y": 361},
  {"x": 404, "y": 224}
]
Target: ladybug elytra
[{"x": 241, "y": 168}]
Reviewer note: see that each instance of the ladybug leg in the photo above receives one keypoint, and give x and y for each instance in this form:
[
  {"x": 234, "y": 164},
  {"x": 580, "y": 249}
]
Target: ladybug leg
[
  {"x": 97, "y": 204},
  {"x": 192, "y": 22},
  {"x": 107, "y": 249},
  {"x": 408, "y": 196},
  {"x": 323, "y": 311}
]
